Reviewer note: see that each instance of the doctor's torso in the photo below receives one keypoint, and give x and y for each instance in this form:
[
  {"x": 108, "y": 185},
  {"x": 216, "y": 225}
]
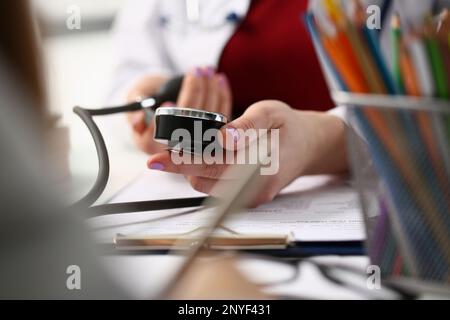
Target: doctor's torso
[{"x": 259, "y": 44}]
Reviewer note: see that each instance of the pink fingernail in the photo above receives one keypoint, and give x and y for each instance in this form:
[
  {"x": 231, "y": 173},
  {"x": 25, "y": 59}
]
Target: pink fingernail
[
  {"x": 223, "y": 82},
  {"x": 209, "y": 72},
  {"x": 168, "y": 104},
  {"x": 157, "y": 166},
  {"x": 136, "y": 118},
  {"x": 198, "y": 73},
  {"x": 233, "y": 133}
]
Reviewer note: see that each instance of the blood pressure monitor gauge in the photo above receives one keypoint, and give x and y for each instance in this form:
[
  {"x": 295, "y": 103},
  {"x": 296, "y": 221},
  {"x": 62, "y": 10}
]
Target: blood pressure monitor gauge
[
  {"x": 187, "y": 130},
  {"x": 181, "y": 129}
]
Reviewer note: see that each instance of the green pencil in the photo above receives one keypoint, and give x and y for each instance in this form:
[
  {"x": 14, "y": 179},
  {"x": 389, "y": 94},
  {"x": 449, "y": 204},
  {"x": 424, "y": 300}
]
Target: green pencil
[
  {"x": 396, "y": 39},
  {"x": 436, "y": 61}
]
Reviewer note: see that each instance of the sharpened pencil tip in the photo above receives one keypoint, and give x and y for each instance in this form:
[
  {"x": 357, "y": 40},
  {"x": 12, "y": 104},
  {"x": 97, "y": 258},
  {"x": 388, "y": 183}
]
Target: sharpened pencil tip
[{"x": 395, "y": 21}]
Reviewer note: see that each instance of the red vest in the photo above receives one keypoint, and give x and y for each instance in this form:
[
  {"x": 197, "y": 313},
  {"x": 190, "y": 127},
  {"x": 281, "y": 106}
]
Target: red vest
[{"x": 271, "y": 56}]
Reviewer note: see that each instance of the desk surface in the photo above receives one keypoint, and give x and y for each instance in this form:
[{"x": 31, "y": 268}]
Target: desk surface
[{"x": 142, "y": 276}]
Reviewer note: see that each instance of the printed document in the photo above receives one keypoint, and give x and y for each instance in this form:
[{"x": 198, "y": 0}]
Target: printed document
[{"x": 319, "y": 208}]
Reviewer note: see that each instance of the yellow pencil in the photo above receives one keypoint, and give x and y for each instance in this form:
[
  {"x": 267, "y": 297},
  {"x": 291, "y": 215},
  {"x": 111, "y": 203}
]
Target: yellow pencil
[{"x": 358, "y": 45}]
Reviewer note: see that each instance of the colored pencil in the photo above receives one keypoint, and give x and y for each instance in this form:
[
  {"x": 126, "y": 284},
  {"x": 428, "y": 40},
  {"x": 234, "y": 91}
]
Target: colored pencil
[
  {"x": 369, "y": 55},
  {"x": 443, "y": 32},
  {"x": 402, "y": 143},
  {"x": 424, "y": 121},
  {"x": 333, "y": 78},
  {"x": 396, "y": 40},
  {"x": 341, "y": 52},
  {"x": 436, "y": 61},
  {"x": 420, "y": 60},
  {"x": 356, "y": 42},
  {"x": 372, "y": 39},
  {"x": 409, "y": 74}
]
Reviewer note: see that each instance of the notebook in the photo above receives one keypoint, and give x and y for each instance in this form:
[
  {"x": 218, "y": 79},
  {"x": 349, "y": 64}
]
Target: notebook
[{"x": 319, "y": 209}]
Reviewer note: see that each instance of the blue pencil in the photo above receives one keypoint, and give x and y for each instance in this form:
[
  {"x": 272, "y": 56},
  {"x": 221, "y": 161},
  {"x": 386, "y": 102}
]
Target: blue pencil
[
  {"x": 371, "y": 37},
  {"x": 384, "y": 165},
  {"x": 332, "y": 75}
]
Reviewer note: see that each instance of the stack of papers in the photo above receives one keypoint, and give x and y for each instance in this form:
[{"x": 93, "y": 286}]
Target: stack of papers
[{"x": 318, "y": 208}]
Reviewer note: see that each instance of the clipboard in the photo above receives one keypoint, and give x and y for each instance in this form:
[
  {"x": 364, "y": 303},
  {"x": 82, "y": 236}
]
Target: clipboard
[
  {"x": 173, "y": 242},
  {"x": 224, "y": 241},
  {"x": 276, "y": 245}
]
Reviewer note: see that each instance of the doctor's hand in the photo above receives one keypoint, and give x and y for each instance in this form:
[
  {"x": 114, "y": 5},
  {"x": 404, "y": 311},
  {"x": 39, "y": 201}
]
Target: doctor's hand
[
  {"x": 309, "y": 143},
  {"x": 202, "y": 88}
]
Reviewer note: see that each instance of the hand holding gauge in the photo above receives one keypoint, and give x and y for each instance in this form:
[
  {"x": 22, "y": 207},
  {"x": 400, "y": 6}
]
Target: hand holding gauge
[
  {"x": 166, "y": 120},
  {"x": 201, "y": 89}
]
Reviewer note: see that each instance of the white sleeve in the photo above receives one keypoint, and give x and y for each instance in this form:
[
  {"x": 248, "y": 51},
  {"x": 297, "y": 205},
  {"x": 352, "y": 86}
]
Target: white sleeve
[
  {"x": 138, "y": 47},
  {"x": 339, "y": 112}
]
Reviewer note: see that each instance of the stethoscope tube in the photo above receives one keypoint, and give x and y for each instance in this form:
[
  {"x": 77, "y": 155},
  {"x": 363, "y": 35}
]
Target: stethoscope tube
[
  {"x": 103, "y": 160},
  {"x": 169, "y": 92}
]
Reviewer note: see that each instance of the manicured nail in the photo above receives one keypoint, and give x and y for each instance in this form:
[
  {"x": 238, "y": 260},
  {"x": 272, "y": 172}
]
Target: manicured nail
[
  {"x": 148, "y": 117},
  {"x": 136, "y": 118},
  {"x": 157, "y": 166},
  {"x": 223, "y": 81},
  {"x": 233, "y": 133},
  {"x": 138, "y": 123},
  {"x": 209, "y": 72},
  {"x": 168, "y": 104},
  {"x": 198, "y": 73}
]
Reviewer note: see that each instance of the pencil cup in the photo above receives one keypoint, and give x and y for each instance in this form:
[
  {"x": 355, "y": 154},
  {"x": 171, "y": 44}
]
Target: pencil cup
[{"x": 400, "y": 153}]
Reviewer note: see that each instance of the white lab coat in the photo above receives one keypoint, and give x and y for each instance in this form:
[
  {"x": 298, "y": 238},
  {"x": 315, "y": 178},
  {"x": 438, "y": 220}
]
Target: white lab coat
[{"x": 156, "y": 36}]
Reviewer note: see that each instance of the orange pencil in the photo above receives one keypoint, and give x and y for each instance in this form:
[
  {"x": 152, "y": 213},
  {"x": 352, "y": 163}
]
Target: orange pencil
[
  {"x": 409, "y": 74},
  {"x": 360, "y": 45},
  {"x": 413, "y": 89},
  {"x": 348, "y": 39},
  {"x": 424, "y": 121},
  {"x": 443, "y": 26},
  {"x": 341, "y": 53}
]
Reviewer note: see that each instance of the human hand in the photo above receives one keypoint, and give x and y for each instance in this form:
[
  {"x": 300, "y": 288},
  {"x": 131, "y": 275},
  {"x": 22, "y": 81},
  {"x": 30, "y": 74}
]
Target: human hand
[
  {"x": 143, "y": 133},
  {"x": 308, "y": 143},
  {"x": 202, "y": 88}
]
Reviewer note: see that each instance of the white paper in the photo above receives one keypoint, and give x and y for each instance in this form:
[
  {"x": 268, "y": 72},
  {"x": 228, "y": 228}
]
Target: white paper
[{"x": 312, "y": 209}]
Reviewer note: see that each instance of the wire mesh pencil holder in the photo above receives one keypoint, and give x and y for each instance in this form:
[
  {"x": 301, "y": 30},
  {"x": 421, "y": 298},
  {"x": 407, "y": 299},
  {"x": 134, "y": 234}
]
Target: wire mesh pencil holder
[{"x": 400, "y": 154}]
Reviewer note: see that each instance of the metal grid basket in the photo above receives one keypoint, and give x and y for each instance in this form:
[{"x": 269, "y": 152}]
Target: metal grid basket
[{"x": 400, "y": 154}]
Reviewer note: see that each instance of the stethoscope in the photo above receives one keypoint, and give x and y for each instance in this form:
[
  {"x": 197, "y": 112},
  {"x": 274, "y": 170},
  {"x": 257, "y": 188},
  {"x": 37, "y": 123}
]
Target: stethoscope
[
  {"x": 167, "y": 119},
  {"x": 347, "y": 277},
  {"x": 193, "y": 16}
]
